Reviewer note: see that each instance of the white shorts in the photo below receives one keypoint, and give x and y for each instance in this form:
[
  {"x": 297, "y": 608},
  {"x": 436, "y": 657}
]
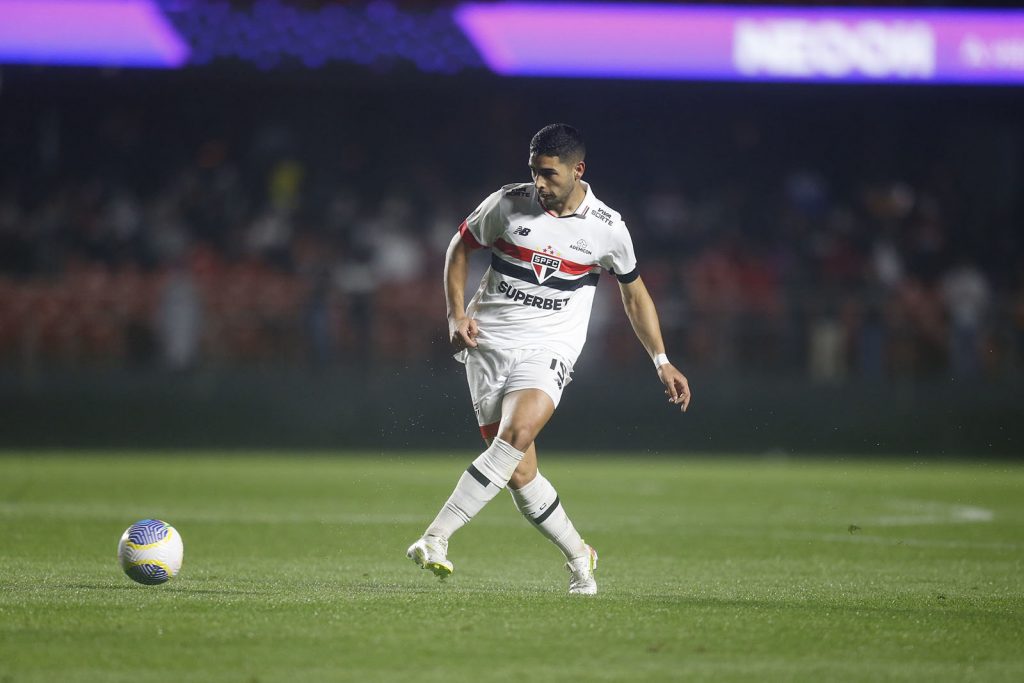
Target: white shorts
[{"x": 494, "y": 373}]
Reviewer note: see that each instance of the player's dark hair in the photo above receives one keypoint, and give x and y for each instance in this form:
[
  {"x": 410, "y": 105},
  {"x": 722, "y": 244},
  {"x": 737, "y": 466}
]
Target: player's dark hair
[{"x": 559, "y": 140}]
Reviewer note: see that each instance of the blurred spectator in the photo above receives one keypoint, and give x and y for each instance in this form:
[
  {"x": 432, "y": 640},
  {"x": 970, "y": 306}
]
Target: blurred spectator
[
  {"x": 966, "y": 294},
  {"x": 179, "y": 319},
  {"x": 827, "y": 343},
  {"x": 356, "y": 278},
  {"x": 319, "y": 236}
]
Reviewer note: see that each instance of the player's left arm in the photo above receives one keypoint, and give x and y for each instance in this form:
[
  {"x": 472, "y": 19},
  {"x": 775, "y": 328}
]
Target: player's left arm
[{"x": 644, "y": 317}]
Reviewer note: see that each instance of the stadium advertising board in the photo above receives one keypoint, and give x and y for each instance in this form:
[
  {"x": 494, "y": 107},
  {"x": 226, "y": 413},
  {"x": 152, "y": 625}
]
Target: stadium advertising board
[
  {"x": 685, "y": 42},
  {"x": 120, "y": 33},
  {"x": 751, "y": 43}
]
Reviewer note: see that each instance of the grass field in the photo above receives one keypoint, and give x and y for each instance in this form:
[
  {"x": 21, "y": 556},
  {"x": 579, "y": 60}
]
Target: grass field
[{"x": 711, "y": 569}]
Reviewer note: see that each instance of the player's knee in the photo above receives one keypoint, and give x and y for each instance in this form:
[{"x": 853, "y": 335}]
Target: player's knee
[
  {"x": 524, "y": 474},
  {"x": 520, "y": 434}
]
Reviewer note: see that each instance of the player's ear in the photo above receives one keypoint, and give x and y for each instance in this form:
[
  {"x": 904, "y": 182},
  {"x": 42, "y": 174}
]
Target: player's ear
[{"x": 577, "y": 172}]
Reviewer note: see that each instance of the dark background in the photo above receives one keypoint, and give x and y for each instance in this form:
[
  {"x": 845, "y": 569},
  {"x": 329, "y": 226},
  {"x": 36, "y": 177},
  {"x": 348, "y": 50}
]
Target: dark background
[{"x": 239, "y": 255}]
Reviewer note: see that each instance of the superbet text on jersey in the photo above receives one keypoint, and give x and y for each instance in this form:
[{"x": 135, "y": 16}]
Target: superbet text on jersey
[{"x": 539, "y": 290}]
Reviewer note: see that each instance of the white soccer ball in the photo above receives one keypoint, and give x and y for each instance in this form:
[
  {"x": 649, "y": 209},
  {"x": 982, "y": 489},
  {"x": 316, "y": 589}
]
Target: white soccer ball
[{"x": 151, "y": 551}]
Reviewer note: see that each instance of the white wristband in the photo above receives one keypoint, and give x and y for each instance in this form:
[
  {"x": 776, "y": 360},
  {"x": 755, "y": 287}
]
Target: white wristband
[{"x": 660, "y": 359}]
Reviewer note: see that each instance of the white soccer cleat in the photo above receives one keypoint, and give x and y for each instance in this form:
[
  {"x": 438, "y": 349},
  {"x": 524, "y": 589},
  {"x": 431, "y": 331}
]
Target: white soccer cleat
[
  {"x": 581, "y": 574},
  {"x": 431, "y": 552}
]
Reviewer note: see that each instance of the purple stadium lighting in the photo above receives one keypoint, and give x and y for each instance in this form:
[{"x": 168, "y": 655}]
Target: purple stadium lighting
[
  {"x": 748, "y": 43},
  {"x": 125, "y": 33}
]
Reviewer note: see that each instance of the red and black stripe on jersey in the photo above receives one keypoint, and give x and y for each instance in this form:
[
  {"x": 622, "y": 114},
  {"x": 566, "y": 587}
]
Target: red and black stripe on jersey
[{"x": 524, "y": 273}]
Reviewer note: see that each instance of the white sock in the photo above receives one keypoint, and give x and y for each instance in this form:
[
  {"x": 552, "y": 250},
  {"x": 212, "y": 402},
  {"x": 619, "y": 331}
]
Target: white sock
[
  {"x": 538, "y": 501},
  {"x": 477, "y": 486}
]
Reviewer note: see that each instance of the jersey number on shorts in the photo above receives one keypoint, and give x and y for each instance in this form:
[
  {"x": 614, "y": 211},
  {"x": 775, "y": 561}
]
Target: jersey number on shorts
[{"x": 559, "y": 368}]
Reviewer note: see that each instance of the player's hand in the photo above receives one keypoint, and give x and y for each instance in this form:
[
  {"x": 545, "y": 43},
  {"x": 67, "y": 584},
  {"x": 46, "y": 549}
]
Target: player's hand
[
  {"x": 676, "y": 387},
  {"x": 463, "y": 332}
]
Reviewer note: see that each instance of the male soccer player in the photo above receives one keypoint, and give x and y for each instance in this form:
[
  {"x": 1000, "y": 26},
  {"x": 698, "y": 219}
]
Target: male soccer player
[{"x": 524, "y": 329}]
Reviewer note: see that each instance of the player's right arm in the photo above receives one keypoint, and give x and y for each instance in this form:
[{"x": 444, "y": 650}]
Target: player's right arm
[
  {"x": 479, "y": 230},
  {"x": 462, "y": 330}
]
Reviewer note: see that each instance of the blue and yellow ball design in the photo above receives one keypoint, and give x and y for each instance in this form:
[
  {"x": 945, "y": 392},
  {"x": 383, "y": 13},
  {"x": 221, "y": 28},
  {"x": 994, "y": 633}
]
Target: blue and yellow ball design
[{"x": 150, "y": 551}]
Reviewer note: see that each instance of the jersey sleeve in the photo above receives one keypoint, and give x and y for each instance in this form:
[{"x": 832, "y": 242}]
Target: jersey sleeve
[
  {"x": 485, "y": 224},
  {"x": 620, "y": 258}
]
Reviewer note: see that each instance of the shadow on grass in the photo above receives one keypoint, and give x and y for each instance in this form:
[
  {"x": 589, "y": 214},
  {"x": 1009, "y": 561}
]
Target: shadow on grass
[
  {"x": 446, "y": 588},
  {"x": 213, "y": 591},
  {"x": 163, "y": 589}
]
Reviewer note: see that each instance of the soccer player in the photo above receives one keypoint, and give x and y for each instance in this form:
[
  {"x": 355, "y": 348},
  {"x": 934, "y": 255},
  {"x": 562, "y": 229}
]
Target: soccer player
[{"x": 523, "y": 330}]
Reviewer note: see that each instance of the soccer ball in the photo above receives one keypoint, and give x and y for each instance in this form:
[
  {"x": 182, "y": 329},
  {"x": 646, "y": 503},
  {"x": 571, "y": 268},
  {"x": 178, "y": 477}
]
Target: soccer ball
[{"x": 150, "y": 551}]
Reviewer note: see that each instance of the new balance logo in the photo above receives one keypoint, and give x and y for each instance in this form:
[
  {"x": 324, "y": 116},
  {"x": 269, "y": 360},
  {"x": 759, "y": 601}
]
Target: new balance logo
[
  {"x": 521, "y": 231},
  {"x": 545, "y": 266}
]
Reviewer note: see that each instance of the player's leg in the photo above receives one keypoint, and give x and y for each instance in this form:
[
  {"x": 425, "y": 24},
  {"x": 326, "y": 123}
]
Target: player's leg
[
  {"x": 522, "y": 418},
  {"x": 539, "y": 502},
  {"x": 486, "y": 476},
  {"x": 534, "y": 496},
  {"x": 526, "y": 470},
  {"x": 524, "y": 414}
]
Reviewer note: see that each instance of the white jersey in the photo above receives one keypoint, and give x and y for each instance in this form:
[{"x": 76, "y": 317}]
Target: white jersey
[{"x": 539, "y": 290}]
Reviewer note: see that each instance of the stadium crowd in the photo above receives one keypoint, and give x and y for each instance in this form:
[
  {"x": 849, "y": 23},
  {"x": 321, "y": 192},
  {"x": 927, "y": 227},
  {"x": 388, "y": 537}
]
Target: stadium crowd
[{"x": 124, "y": 243}]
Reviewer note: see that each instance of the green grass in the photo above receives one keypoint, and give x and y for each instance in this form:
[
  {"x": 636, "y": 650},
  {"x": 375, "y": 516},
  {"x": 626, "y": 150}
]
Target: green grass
[{"x": 711, "y": 569}]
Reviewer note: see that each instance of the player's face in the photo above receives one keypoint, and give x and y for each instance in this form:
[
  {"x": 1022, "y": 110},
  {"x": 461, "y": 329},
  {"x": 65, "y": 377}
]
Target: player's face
[{"x": 555, "y": 181}]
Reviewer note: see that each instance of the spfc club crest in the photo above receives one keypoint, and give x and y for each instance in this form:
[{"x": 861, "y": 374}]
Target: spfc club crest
[{"x": 545, "y": 266}]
